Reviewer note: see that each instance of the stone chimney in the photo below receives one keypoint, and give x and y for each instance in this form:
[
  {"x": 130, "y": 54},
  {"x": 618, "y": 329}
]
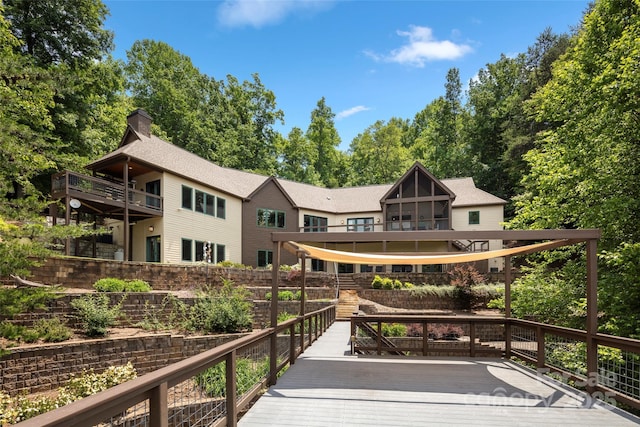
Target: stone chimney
[{"x": 140, "y": 121}]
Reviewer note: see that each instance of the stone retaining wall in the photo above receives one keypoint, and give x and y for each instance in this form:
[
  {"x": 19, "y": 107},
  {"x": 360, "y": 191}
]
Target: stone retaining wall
[
  {"x": 46, "y": 367},
  {"x": 84, "y": 272},
  {"x": 404, "y": 299}
]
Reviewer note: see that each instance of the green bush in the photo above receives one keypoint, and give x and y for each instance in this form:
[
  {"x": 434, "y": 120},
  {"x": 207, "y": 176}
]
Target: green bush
[
  {"x": 52, "y": 330},
  {"x": 377, "y": 282},
  {"x": 387, "y": 283},
  {"x": 15, "y": 410},
  {"x": 225, "y": 310},
  {"x": 298, "y": 295},
  {"x": 155, "y": 318},
  {"x": 137, "y": 285},
  {"x": 112, "y": 284},
  {"x": 394, "y": 330},
  {"x": 286, "y": 296},
  {"x": 95, "y": 314},
  {"x": 14, "y": 301},
  {"x": 248, "y": 373},
  {"x": 109, "y": 284}
]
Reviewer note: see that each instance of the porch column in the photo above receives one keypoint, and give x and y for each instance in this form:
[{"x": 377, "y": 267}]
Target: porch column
[{"x": 125, "y": 177}]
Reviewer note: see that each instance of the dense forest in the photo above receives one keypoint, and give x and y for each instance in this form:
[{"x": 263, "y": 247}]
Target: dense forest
[{"x": 554, "y": 130}]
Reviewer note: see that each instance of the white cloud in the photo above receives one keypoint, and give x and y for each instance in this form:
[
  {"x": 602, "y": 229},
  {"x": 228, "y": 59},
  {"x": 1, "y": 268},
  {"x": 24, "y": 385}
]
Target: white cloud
[
  {"x": 259, "y": 13},
  {"x": 422, "y": 47},
  {"x": 351, "y": 111}
]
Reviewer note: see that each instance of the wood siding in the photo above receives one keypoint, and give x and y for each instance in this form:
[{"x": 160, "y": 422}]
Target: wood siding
[{"x": 256, "y": 238}]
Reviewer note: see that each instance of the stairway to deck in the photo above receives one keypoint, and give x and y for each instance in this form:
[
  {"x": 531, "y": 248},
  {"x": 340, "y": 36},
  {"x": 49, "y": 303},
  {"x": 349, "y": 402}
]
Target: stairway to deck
[{"x": 348, "y": 303}]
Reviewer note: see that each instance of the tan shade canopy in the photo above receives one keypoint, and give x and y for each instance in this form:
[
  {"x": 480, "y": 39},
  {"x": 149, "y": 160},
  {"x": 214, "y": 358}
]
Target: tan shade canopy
[{"x": 452, "y": 258}]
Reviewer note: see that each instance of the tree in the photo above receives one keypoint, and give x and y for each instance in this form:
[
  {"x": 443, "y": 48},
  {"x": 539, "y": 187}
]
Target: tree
[
  {"x": 438, "y": 140},
  {"x": 60, "y": 31},
  {"x": 65, "y": 38},
  {"x": 585, "y": 166},
  {"x": 324, "y": 136},
  {"x": 297, "y": 157},
  {"x": 378, "y": 155}
]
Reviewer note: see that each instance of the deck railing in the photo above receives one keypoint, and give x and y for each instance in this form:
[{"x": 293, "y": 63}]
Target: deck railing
[
  {"x": 561, "y": 352},
  {"x": 98, "y": 188},
  {"x": 204, "y": 390}
]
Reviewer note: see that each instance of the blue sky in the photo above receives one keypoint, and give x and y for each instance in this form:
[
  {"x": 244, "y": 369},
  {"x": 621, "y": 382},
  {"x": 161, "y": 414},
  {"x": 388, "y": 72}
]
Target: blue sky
[{"x": 371, "y": 60}]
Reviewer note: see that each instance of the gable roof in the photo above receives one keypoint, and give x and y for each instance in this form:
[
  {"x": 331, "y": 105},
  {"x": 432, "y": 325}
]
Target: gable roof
[{"x": 162, "y": 155}]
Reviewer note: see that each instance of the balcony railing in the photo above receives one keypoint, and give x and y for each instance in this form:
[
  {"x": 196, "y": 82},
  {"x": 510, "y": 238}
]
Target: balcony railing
[
  {"x": 110, "y": 192},
  {"x": 172, "y": 396}
]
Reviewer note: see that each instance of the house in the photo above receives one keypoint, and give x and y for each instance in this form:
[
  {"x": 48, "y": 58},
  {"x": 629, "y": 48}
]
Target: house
[{"x": 165, "y": 204}]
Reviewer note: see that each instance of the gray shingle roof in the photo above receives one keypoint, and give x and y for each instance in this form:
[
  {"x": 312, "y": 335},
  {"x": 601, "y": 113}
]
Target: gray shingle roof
[{"x": 171, "y": 158}]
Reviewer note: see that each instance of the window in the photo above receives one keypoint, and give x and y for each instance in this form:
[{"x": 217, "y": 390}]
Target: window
[
  {"x": 186, "y": 250},
  {"x": 187, "y": 197},
  {"x": 199, "y": 201},
  {"x": 432, "y": 268},
  {"x": 360, "y": 224},
  {"x": 200, "y": 251},
  {"x": 209, "y": 204},
  {"x": 401, "y": 268},
  {"x": 317, "y": 265},
  {"x": 222, "y": 205},
  {"x": 265, "y": 258},
  {"x": 315, "y": 223},
  {"x": 153, "y": 187},
  {"x": 219, "y": 253},
  {"x": 270, "y": 218},
  {"x": 474, "y": 217}
]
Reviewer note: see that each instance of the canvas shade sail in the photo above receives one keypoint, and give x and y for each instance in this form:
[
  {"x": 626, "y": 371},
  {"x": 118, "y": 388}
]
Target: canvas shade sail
[{"x": 449, "y": 258}]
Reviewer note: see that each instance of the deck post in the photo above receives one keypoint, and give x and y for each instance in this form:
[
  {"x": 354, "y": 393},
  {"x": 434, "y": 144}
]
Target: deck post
[
  {"x": 231, "y": 389},
  {"x": 592, "y": 315},
  {"x": 303, "y": 266},
  {"x": 507, "y": 306},
  {"x": 273, "y": 353},
  {"x": 158, "y": 407}
]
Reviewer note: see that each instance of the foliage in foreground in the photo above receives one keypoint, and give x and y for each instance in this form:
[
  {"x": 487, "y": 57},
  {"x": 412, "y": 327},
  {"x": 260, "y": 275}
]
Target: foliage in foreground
[
  {"x": 226, "y": 310},
  {"x": 248, "y": 373},
  {"x": 21, "y": 300},
  {"x": 14, "y": 410},
  {"x": 48, "y": 330}
]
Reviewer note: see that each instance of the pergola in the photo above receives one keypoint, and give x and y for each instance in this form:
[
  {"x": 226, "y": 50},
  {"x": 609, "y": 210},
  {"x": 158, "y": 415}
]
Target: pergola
[{"x": 309, "y": 245}]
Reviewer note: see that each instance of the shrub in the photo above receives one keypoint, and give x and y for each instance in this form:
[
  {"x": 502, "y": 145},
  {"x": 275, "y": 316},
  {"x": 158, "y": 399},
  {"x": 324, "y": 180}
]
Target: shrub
[
  {"x": 95, "y": 314},
  {"x": 109, "y": 284},
  {"x": 444, "y": 331},
  {"x": 14, "y": 301},
  {"x": 156, "y": 318},
  {"x": 15, "y": 410},
  {"x": 137, "y": 285},
  {"x": 377, "y": 282},
  {"x": 225, "y": 310},
  {"x": 52, "y": 330},
  {"x": 231, "y": 264},
  {"x": 112, "y": 284},
  {"x": 387, "y": 283},
  {"x": 248, "y": 373},
  {"x": 298, "y": 295},
  {"x": 394, "y": 330}
]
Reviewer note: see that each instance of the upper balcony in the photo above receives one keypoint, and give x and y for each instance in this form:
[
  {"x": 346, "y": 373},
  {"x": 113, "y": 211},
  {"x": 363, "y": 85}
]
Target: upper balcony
[{"x": 104, "y": 197}]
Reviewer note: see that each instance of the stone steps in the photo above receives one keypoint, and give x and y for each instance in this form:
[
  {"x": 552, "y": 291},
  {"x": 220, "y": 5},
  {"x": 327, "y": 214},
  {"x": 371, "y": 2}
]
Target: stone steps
[{"x": 348, "y": 303}]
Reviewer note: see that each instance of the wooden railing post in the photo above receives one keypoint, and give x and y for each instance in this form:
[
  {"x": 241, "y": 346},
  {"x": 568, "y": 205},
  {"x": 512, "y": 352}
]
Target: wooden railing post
[
  {"x": 540, "y": 356},
  {"x": 231, "y": 389},
  {"x": 158, "y": 406},
  {"x": 379, "y": 339},
  {"x": 472, "y": 339},
  {"x": 292, "y": 344},
  {"x": 425, "y": 338}
]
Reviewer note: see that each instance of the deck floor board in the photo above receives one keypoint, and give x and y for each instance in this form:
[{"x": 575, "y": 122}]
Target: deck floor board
[{"x": 327, "y": 386}]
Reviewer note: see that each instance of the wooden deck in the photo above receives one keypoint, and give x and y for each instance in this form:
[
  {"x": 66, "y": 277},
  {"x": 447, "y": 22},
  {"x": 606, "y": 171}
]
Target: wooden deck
[{"x": 328, "y": 386}]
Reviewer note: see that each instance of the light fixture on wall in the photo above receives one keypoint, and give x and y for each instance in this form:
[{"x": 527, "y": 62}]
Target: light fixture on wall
[
  {"x": 151, "y": 229},
  {"x": 378, "y": 220}
]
